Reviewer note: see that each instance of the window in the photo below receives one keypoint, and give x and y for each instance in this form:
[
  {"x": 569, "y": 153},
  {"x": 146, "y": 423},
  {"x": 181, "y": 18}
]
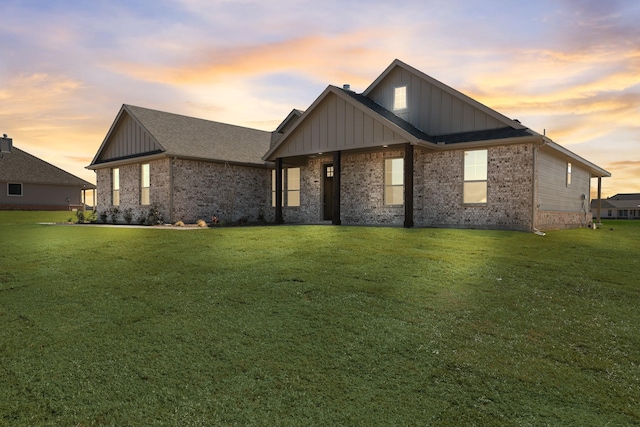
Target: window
[
  {"x": 568, "y": 174},
  {"x": 393, "y": 181},
  {"x": 400, "y": 98},
  {"x": 14, "y": 189},
  {"x": 293, "y": 187},
  {"x": 609, "y": 212},
  {"x": 291, "y": 182},
  {"x": 145, "y": 184},
  {"x": 115, "y": 187},
  {"x": 475, "y": 177}
]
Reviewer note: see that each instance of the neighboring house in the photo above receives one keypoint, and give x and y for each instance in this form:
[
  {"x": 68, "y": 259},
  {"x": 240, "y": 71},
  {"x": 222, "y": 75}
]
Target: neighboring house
[
  {"x": 620, "y": 206},
  {"x": 29, "y": 183},
  {"x": 189, "y": 168},
  {"x": 408, "y": 151}
]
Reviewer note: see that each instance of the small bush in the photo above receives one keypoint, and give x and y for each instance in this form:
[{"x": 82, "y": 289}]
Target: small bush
[
  {"x": 201, "y": 223},
  {"x": 113, "y": 214},
  {"x": 179, "y": 224},
  {"x": 80, "y": 216},
  {"x": 103, "y": 216},
  {"x": 142, "y": 218},
  {"x": 127, "y": 214},
  {"x": 155, "y": 216}
]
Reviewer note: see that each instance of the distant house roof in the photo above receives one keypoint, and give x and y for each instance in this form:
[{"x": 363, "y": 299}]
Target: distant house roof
[
  {"x": 619, "y": 201},
  {"x": 183, "y": 136},
  {"x": 626, "y": 196},
  {"x": 22, "y": 167}
]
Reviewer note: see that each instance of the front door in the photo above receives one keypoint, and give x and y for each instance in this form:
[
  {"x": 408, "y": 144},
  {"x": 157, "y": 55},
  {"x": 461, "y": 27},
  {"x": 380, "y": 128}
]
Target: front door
[{"x": 327, "y": 192}]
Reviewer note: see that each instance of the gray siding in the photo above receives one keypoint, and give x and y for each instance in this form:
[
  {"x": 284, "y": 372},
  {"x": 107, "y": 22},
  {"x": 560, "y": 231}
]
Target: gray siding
[
  {"x": 430, "y": 108},
  {"x": 41, "y": 195},
  {"x": 337, "y": 125},
  {"x": 553, "y": 192},
  {"x": 128, "y": 139}
]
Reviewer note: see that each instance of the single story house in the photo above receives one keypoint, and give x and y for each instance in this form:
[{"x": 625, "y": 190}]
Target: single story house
[
  {"x": 620, "y": 206},
  {"x": 408, "y": 151},
  {"x": 29, "y": 183},
  {"x": 188, "y": 168}
]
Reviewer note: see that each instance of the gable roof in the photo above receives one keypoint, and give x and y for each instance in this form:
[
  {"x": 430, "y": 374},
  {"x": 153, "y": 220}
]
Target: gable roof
[
  {"x": 401, "y": 127},
  {"x": 507, "y": 122},
  {"x": 22, "y": 167},
  {"x": 175, "y": 135},
  {"x": 473, "y": 136}
]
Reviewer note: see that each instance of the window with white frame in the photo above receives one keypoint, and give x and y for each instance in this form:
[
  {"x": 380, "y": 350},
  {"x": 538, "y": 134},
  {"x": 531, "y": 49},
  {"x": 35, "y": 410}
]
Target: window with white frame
[
  {"x": 145, "y": 184},
  {"x": 475, "y": 177},
  {"x": 394, "y": 181},
  {"x": 291, "y": 184},
  {"x": 14, "y": 189},
  {"x": 568, "y": 174},
  {"x": 115, "y": 186},
  {"x": 399, "y": 98}
]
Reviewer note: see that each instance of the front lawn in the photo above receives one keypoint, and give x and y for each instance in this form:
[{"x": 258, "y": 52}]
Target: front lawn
[{"x": 317, "y": 325}]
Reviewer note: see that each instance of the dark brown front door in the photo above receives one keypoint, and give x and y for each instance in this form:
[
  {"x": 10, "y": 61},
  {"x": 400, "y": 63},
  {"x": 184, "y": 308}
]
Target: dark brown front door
[{"x": 327, "y": 192}]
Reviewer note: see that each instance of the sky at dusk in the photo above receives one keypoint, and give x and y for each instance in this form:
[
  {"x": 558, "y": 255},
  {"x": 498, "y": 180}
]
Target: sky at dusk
[{"x": 567, "y": 67}]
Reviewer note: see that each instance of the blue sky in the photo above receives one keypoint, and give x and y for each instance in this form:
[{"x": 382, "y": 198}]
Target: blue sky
[{"x": 569, "y": 67}]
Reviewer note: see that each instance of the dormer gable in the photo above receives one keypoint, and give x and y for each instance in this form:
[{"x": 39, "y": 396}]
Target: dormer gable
[{"x": 430, "y": 105}]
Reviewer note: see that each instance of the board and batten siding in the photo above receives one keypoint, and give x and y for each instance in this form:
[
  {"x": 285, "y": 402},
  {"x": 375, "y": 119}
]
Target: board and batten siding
[
  {"x": 553, "y": 192},
  {"x": 129, "y": 139},
  {"x": 430, "y": 108},
  {"x": 338, "y": 125}
]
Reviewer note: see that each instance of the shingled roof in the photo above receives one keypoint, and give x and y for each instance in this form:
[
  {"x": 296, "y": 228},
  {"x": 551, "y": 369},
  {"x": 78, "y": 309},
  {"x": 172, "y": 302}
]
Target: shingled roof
[
  {"x": 484, "y": 135},
  {"x": 22, "y": 167},
  {"x": 190, "y": 137}
]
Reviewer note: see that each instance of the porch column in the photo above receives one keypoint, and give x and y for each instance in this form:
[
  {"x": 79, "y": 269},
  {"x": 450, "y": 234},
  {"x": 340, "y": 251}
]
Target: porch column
[
  {"x": 598, "y": 203},
  {"x": 408, "y": 185},
  {"x": 278, "y": 191},
  {"x": 336, "y": 188}
]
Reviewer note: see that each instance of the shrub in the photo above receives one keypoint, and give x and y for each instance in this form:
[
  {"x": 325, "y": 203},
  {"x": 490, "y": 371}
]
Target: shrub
[
  {"x": 141, "y": 219},
  {"x": 103, "y": 216},
  {"x": 80, "y": 216},
  {"x": 127, "y": 214},
  {"x": 155, "y": 216},
  {"x": 201, "y": 223},
  {"x": 113, "y": 214},
  {"x": 179, "y": 224}
]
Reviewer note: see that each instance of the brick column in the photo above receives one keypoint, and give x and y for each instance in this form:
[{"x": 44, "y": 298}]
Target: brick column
[{"x": 408, "y": 185}]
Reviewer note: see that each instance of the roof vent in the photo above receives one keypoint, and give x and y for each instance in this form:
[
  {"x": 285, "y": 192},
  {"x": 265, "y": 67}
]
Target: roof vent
[{"x": 346, "y": 86}]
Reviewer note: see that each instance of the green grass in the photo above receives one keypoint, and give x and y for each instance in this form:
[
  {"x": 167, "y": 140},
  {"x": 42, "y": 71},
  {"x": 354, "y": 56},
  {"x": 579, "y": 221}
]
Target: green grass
[{"x": 304, "y": 325}]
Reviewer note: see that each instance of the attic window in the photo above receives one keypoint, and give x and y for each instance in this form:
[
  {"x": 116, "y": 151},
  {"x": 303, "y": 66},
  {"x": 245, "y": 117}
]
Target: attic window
[
  {"x": 568, "y": 174},
  {"x": 399, "y": 98}
]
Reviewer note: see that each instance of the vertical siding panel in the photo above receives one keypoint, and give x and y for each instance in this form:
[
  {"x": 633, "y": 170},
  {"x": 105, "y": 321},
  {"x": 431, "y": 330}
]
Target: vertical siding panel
[
  {"x": 307, "y": 136},
  {"x": 414, "y": 99},
  {"x": 349, "y": 125},
  {"x": 387, "y": 134},
  {"x": 446, "y": 114},
  {"x": 322, "y": 125},
  {"x": 434, "y": 122},
  {"x": 368, "y": 129},
  {"x": 456, "y": 116},
  {"x": 492, "y": 123},
  {"x": 315, "y": 131},
  {"x": 358, "y": 127},
  {"x": 378, "y": 131},
  {"x": 341, "y": 116},
  {"x": 468, "y": 118},
  {"x": 480, "y": 120},
  {"x": 425, "y": 110}
]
